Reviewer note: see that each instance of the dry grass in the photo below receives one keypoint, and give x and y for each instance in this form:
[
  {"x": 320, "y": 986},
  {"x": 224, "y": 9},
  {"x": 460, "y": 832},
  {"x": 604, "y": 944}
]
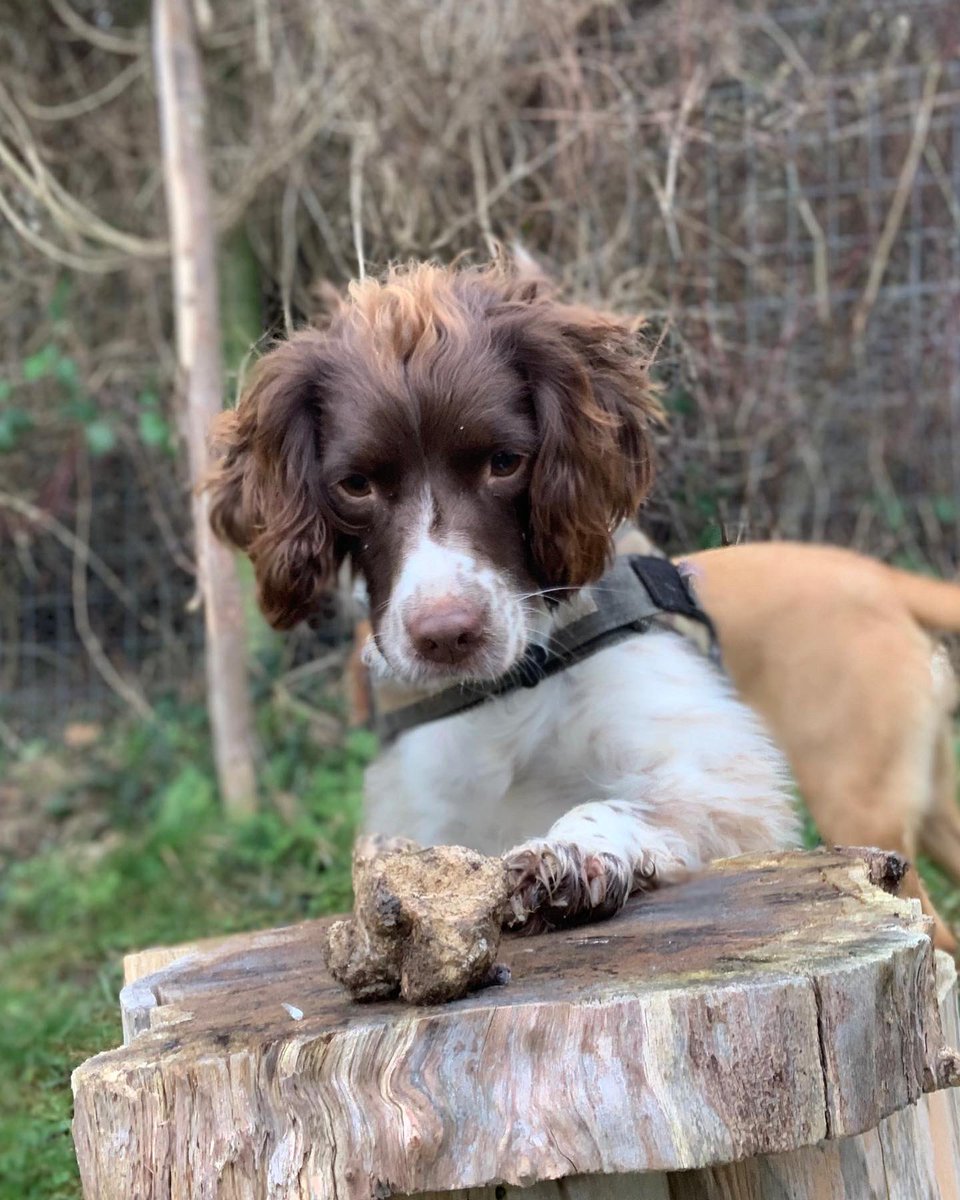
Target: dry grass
[{"x": 779, "y": 186}]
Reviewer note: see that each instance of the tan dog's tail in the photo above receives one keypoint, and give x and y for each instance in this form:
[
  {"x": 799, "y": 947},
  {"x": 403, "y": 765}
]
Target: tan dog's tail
[{"x": 932, "y": 603}]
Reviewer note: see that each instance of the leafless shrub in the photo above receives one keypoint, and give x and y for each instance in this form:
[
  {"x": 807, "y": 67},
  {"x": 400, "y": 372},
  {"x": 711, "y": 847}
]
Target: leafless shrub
[{"x": 778, "y": 185}]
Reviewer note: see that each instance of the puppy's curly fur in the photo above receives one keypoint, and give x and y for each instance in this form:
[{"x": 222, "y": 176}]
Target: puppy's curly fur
[{"x": 469, "y": 441}]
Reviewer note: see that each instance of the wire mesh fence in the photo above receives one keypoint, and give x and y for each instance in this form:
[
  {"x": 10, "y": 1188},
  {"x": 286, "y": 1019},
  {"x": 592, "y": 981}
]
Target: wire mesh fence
[
  {"x": 111, "y": 580},
  {"x": 795, "y": 222},
  {"x": 817, "y": 312}
]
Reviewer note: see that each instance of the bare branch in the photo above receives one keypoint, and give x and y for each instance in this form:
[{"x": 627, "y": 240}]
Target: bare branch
[
  {"x": 891, "y": 227},
  {"x": 114, "y": 43}
]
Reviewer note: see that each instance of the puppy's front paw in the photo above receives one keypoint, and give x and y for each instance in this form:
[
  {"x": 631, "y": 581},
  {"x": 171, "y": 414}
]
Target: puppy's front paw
[{"x": 559, "y": 883}]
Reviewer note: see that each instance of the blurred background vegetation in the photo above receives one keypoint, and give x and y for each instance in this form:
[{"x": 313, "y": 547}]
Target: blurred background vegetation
[{"x": 776, "y": 185}]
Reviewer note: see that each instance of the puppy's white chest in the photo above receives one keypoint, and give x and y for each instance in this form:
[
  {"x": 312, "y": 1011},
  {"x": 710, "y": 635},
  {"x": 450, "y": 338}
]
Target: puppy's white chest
[{"x": 498, "y": 773}]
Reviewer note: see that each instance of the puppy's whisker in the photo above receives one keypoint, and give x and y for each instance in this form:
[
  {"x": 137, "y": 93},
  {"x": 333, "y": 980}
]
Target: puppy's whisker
[{"x": 548, "y": 592}]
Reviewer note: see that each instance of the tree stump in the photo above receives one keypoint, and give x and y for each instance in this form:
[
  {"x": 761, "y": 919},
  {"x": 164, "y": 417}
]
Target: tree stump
[{"x": 763, "y": 1031}]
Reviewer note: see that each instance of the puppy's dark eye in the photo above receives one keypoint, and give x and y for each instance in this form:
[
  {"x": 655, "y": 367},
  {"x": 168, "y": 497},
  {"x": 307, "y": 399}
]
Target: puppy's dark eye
[
  {"x": 358, "y": 487},
  {"x": 505, "y": 463}
]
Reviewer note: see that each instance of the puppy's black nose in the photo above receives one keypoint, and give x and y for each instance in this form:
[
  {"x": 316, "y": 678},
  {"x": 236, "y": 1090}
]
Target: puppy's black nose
[{"x": 447, "y": 631}]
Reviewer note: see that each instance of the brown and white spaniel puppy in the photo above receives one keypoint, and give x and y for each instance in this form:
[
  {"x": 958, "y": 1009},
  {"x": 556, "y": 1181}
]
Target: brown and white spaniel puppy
[{"x": 469, "y": 442}]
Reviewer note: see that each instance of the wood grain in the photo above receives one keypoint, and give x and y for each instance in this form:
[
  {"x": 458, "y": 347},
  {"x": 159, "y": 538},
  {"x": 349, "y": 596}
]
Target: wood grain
[{"x": 764, "y": 1007}]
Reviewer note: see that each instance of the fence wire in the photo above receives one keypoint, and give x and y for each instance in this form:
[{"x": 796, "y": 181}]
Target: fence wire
[{"x": 810, "y": 274}]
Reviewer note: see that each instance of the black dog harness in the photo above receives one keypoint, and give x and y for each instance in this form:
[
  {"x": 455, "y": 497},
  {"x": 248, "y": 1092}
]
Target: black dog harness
[{"x": 638, "y": 591}]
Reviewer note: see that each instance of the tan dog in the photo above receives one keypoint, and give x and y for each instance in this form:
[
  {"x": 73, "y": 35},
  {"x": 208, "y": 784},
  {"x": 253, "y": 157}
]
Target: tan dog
[{"x": 830, "y": 648}]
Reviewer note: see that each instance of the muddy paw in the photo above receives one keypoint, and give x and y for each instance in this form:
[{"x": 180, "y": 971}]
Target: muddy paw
[{"x": 558, "y": 883}]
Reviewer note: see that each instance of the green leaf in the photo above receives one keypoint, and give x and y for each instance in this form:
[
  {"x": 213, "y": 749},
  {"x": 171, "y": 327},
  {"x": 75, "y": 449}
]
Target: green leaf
[
  {"x": 100, "y": 436},
  {"x": 58, "y": 301},
  {"x": 65, "y": 369},
  {"x": 361, "y": 744},
  {"x": 41, "y": 364},
  {"x": 153, "y": 428},
  {"x": 187, "y": 803},
  {"x": 893, "y": 511},
  {"x": 148, "y": 399},
  {"x": 945, "y": 509},
  {"x": 711, "y": 537},
  {"x": 14, "y": 422},
  {"x": 678, "y": 400},
  {"x": 79, "y": 408},
  {"x": 6, "y": 390}
]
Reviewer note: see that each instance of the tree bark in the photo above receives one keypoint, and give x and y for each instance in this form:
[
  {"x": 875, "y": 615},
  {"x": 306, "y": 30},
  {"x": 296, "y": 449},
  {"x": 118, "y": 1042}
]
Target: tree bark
[
  {"x": 196, "y": 309},
  {"x": 241, "y": 321},
  {"x": 756, "y": 1026}
]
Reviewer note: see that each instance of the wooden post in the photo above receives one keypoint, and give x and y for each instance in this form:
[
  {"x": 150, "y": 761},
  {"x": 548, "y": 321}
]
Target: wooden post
[
  {"x": 241, "y": 320},
  {"x": 764, "y": 1031},
  {"x": 180, "y": 97}
]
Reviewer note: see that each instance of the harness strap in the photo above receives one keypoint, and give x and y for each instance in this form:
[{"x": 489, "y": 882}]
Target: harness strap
[{"x": 631, "y": 595}]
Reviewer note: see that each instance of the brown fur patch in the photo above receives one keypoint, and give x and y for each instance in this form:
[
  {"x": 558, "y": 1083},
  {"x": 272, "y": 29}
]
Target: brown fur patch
[{"x": 417, "y": 379}]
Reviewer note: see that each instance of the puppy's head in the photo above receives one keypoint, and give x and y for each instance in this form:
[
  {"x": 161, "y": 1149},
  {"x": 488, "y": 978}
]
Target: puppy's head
[{"x": 468, "y": 440}]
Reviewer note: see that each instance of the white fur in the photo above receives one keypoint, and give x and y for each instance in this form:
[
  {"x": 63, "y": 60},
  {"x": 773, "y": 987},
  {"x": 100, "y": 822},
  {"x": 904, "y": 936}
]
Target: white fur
[
  {"x": 641, "y": 753},
  {"x": 435, "y": 570}
]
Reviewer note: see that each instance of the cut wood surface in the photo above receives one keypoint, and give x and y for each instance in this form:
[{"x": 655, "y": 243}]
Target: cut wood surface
[{"x": 764, "y": 1007}]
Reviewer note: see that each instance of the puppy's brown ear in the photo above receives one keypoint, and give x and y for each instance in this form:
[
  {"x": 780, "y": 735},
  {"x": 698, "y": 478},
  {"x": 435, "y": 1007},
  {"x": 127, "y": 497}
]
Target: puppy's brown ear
[
  {"x": 266, "y": 493},
  {"x": 595, "y": 406}
]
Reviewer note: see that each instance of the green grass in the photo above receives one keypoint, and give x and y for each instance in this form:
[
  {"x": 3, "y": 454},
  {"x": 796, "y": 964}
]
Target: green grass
[
  {"x": 137, "y": 853},
  {"x": 162, "y": 866}
]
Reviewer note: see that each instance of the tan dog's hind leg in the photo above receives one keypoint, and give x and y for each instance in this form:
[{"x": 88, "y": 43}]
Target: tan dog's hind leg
[
  {"x": 826, "y": 647},
  {"x": 848, "y": 830},
  {"x": 873, "y": 780},
  {"x": 943, "y": 935},
  {"x": 940, "y": 833},
  {"x": 893, "y": 809}
]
